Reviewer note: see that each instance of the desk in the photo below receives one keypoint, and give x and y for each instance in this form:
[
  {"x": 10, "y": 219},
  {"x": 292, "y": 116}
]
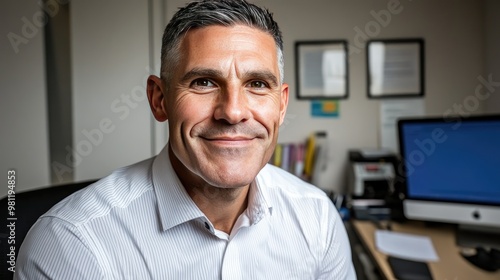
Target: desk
[{"x": 451, "y": 265}]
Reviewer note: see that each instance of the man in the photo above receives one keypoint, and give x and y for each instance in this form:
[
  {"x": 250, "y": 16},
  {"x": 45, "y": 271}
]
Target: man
[{"x": 208, "y": 206}]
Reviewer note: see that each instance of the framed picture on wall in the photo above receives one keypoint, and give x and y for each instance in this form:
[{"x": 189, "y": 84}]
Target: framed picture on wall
[
  {"x": 321, "y": 69},
  {"x": 395, "y": 68}
]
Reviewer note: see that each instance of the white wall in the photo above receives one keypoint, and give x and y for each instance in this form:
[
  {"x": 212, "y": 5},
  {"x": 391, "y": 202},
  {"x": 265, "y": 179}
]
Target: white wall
[
  {"x": 23, "y": 113},
  {"x": 110, "y": 64},
  {"x": 492, "y": 53}
]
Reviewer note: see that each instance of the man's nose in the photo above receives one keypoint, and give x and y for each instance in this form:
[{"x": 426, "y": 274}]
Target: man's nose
[{"x": 232, "y": 105}]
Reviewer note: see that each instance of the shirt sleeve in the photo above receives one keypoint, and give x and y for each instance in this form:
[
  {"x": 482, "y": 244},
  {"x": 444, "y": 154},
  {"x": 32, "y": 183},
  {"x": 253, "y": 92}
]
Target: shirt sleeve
[
  {"x": 55, "y": 249},
  {"x": 337, "y": 261}
]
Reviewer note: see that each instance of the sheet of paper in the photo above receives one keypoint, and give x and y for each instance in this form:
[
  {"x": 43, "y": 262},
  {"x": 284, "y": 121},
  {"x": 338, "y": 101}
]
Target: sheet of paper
[
  {"x": 323, "y": 70},
  {"x": 405, "y": 246},
  {"x": 390, "y": 111},
  {"x": 333, "y": 72},
  {"x": 394, "y": 68}
]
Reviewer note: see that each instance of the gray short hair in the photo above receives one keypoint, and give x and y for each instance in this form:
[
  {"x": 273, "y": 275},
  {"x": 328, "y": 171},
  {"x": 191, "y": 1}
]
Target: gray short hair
[{"x": 204, "y": 13}]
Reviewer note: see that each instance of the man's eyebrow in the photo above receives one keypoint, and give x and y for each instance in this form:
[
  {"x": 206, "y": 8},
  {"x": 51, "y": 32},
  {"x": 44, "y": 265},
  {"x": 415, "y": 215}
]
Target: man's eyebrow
[
  {"x": 264, "y": 75},
  {"x": 200, "y": 72},
  {"x": 248, "y": 75}
]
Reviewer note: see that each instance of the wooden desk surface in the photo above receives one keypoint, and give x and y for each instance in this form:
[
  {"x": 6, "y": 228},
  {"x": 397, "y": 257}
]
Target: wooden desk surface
[{"x": 451, "y": 265}]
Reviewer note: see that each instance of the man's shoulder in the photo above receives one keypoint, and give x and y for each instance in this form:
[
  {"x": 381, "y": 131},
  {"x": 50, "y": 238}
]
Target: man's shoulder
[
  {"x": 119, "y": 189},
  {"x": 278, "y": 180}
]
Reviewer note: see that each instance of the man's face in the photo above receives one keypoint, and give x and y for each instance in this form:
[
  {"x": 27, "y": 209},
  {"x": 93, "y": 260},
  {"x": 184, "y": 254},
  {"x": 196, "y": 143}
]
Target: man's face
[{"x": 225, "y": 104}]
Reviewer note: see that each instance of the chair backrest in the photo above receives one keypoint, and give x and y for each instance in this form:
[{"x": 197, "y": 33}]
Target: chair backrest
[{"x": 27, "y": 208}]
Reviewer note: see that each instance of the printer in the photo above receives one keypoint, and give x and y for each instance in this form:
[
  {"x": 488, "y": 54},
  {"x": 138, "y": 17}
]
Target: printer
[
  {"x": 371, "y": 173},
  {"x": 371, "y": 181}
]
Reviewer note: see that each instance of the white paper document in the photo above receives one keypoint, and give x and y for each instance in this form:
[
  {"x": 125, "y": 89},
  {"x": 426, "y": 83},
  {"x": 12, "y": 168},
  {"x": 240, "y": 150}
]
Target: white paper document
[
  {"x": 390, "y": 111},
  {"x": 405, "y": 246},
  {"x": 394, "y": 69}
]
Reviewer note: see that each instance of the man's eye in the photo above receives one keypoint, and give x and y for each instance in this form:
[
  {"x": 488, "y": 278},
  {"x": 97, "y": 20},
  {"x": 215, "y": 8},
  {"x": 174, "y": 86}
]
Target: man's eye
[
  {"x": 202, "y": 83},
  {"x": 257, "y": 84}
]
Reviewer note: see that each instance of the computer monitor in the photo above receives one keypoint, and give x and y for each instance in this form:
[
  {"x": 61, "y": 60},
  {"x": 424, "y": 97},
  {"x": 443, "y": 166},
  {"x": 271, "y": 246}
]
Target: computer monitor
[{"x": 452, "y": 172}]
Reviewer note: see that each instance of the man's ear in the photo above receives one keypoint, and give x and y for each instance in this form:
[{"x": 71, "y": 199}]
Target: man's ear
[
  {"x": 156, "y": 97},
  {"x": 283, "y": 102}
]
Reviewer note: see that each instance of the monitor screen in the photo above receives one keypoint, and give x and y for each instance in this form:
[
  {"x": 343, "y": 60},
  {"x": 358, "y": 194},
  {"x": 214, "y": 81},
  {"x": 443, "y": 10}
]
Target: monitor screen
[{"x": 452, "y": 169}]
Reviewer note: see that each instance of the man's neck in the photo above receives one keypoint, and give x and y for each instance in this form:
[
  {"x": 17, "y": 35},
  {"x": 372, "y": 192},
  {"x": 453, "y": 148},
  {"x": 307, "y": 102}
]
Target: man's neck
[{"x": 222, "y": 206}]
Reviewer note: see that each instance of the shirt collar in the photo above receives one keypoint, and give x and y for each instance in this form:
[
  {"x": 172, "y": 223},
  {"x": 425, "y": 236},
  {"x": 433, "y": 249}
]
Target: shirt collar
[
  {"x": 175, "y": 206},
  {"x": 258, "y": 201}
]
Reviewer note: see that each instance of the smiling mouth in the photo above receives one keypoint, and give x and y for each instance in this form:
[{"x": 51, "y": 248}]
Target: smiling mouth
[{"x": 229, "y": 140}]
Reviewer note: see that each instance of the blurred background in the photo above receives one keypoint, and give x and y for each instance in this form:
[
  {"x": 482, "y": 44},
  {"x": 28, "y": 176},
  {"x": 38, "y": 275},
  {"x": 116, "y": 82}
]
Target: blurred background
[{"x": 73, "y": 104}]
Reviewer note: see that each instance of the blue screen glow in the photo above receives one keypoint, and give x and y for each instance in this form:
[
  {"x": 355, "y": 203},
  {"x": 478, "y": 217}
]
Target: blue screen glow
[{"x": 452, "y": 161}]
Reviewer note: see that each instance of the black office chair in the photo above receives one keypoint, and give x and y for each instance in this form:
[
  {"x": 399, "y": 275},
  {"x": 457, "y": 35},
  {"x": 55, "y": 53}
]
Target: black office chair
[{"x": 29, "y": 206}]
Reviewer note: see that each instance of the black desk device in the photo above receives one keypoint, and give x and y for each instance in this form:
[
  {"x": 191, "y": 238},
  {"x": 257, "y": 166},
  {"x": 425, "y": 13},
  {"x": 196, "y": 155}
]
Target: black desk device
[{"x": 409, "y": 270}]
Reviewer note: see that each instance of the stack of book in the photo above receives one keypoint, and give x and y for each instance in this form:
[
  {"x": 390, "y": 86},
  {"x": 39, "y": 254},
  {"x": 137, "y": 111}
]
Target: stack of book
[{"x": 297, "y": 158}]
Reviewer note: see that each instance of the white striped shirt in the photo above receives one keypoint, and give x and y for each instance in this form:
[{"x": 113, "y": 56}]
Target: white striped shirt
[{"x": 140, "y": 223}]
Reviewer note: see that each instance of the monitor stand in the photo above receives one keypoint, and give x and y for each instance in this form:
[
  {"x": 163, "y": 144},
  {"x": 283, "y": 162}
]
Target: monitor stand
[{"x": 485, "y": 241}]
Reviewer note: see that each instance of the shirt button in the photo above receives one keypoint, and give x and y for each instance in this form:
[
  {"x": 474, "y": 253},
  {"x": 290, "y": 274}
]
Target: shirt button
[{"x": 207, "y": 226}]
